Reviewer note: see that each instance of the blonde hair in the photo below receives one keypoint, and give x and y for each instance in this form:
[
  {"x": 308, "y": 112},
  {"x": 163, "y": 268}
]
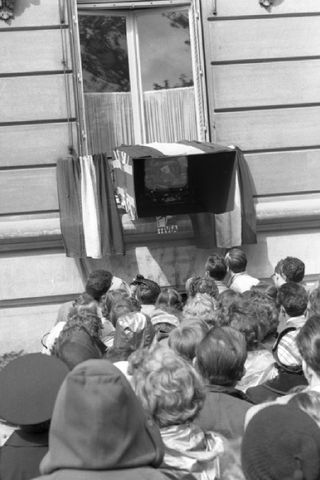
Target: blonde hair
[
  {"x": 168, "y": 386},
  {"x": 200, "y": 307}
]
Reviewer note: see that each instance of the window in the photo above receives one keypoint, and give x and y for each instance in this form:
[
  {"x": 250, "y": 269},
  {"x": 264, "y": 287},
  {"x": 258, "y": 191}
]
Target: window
[{"x": 138, "y": 71}]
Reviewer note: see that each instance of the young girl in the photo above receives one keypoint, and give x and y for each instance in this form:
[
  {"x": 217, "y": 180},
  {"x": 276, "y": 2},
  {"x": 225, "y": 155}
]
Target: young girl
[{"x": 172, "y": 392}]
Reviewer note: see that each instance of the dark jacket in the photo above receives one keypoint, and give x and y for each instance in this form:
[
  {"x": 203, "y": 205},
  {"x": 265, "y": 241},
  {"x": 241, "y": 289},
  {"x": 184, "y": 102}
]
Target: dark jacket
[
  {"x": 99, "y": 429},
  {"x": 224, "y": 411},
  {"x": 21, "y": 455},
  {"x": 277, "y": 387}
]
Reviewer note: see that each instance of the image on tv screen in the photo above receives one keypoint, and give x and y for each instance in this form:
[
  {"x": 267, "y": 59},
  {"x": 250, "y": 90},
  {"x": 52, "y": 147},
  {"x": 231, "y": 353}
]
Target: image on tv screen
[{"x": 166, "y": 174}]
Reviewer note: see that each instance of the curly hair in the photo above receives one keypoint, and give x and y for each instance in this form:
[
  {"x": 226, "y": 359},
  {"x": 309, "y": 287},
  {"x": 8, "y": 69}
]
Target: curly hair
[
  {"x": 202, "y": 285},
  {"x": 200, "y": 307},
  {"x": 225, "y": 300},
  {"x": 91, "y": 321},
  {"x": 169, "y": 300},
  {"x": 293, "y": 269},
  {"x": 243, "y": 317},
  {"x": 169, "y": 387},
  {"x": 109, "y": 299},
  {"x": 265, "y": 310}
]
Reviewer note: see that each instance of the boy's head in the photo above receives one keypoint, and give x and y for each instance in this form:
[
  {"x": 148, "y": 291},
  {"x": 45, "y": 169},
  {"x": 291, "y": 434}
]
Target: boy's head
[
  {"x": 200, "y": 307},
  {"x": 147, "y": 291},
  {"x": 203, "y": 285},
  {"x": 185, "y": 339},
  {"x": 98, "y": 283},
  {"x": 221, "y": 355},
  {"x": 169, "y": 387},
  {"x": 308, "y": 342},
  {"x": 236, "y": 260},
  {"x": 293, "y": 298},
  {"x": 216, "y": 267},
  {"x": 289, "y": 269}
]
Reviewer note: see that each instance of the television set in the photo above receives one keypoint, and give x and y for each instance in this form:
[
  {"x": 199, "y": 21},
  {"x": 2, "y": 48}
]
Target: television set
[{"x": 180, "y": 184}]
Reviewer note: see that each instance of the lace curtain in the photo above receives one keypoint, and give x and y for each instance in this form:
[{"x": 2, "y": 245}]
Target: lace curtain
[{"x": 169, "y": 114}]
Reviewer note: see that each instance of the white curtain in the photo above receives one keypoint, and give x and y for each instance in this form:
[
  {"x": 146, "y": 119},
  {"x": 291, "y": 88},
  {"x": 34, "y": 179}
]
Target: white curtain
[{"x": 169, "y": 114}]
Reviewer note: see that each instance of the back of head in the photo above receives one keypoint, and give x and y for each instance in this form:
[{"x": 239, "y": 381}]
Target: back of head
[
  {"x": 308, "y": 342},
  {"x": 147, "y": 291},
  {"x": 236, "y": 260},
  {"x": 216, "y": 267},
  {"x": 293, "y": 269},
  {"x": 85, "y": 318},
  {"x": 243, "y": 317},
  {"x": 98, "y": 283},
  {"x": 200, "y": 307},
  {"x": 281, "y": 442},
  {"x": 221, "y": 356},
  {"x": 314, "y": 302},
  {"x": 293, "y": 298},
  {"x": 99, "y": 424},
  {"x": 169, "y": 300},
  {"x": 133, "y": 330},
  {"x": 111, "y": 298},
  {"x": 202, "y": 285},
  {"x": 265, "y": 309},
  {"x": 169, "y": 387},
  {"x": 122, "y": 307},
  {"x": 185, "y": 339}
]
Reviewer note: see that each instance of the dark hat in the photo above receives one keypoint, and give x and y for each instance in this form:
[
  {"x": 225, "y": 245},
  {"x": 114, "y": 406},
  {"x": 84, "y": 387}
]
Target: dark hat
[
  {"x": 29, "y": 386},
  {"x": 281, "y": 442}
]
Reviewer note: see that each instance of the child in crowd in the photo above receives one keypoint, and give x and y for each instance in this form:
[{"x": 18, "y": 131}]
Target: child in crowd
[
  {"x": 289, "y": 269},
  {"x": 200, "y": 307},
  {"x": 216, "y": 268},
  {"x": 146, "y": 292},
  {"x": 238, "y": 278},
  {"x": 167, "y": 313},
  {"x": 185, "y": 339},
  {"x": 202, "y": 285},
  {"x": 172, "y": 392},
  {"x": 220, "y": 360},
  {"x": 293, "y": 299}
]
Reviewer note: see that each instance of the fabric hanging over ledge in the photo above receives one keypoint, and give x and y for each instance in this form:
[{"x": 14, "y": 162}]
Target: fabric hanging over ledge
[{"x": 89, "y": 219}]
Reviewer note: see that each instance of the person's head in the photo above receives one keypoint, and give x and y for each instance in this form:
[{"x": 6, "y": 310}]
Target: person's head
[
  {"x": 110, "y": 298},
  {"x": 236, "y": 260},
  {"x": 200, "y": 307},
  {"x": 289, "y": 269},
  {"x": 221, "y": 355},
  {"x": 99, "y": 424},
  {"x": 29, "y": 386},
  {"x": 122, "y": 307},
  {"x": 169, "y": 300},
  {"x": 216, "y": 267},
  {"x": 90, "y": 320},
  {"x": 308, "y": 342},
  {"x": 293, "y": 298},
  {"x": 314, "y": 303},
  {"x": 75, "y": 345},
  {"x": 98, "y": 283},
  {"x": 134, "y": 330},
  {"x": 242, "y": 316},
  {"x": 281, "y": 442},
  {"x": 185, "y": 339},
  {"x": 169, "y": 387},
  {"x": 147, "y": 291},
  {"x": 203, "y": 285},
  {"x": 265, "y": 310}
]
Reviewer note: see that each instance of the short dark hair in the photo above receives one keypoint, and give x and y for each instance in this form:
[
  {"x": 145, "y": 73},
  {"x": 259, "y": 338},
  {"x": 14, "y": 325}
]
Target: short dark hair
[
  {"x": 98, "y": 283},
  {"x": 169, "y": 299},
  {"x": 308, "y": 342},
  {"x": 236, "y": 260},
  {"x": 294, "y": 298},
  {"x": 293, "y": 269},
  {"x": 216, "y": 266},
  {"x": 147, "y": 291},
  {"x": 221, "y": 356}
]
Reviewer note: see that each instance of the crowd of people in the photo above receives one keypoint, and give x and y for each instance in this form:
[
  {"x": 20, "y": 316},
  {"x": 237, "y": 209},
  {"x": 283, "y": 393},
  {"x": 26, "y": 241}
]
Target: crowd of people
[{"x": 134, "y": 381}]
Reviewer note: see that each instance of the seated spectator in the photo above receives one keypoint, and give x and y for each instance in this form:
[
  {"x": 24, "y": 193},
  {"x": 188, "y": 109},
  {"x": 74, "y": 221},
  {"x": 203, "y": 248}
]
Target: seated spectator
[
  {"x": 281, "y": 442},
  {"x": 239, "y": 280},
  {"x": 146, "y": 292},
  {"x": 200, "y": 307},
  {"x": 185, "y": 339},
  {"x": 75, "y": 344},
  {"x": 313, "y": 307},
  {"x": 29, "y": 386},
  {"x": 225, "y": 300},
  {"x": 202, "y": 285},
  {"x": 98, "y": 283},
  {"x": 289, "y": 269},
  {"x": 289, "y": 374},
  {"x": 220, "y": 360},
  {"x": 134, "y": 330},
  {"x": 259, "y": 366},
  {"x": 167, "y": 313},
  {"x": 172, "y": 392},
  {"x": 216, "y": 268},
  {"x": 99, "y": 429},
  {"x": 293, "y": 299}
]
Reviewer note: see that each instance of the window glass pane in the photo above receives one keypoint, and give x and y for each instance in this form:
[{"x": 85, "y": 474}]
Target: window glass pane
[
  {"x": 166, "y": 71},
  {"x": 105, "y": 70}
]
